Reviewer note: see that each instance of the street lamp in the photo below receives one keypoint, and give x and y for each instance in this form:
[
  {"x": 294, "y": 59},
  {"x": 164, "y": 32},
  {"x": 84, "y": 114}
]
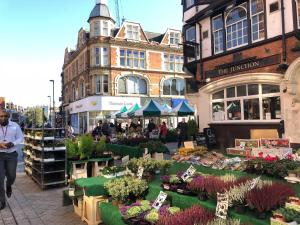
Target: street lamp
[
  {"x": 53, "y": 105},
  {"x": 49, "y": 108}
]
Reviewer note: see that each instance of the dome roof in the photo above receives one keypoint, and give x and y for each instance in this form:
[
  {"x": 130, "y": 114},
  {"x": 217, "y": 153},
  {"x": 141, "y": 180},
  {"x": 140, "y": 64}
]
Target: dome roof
[{"x": 100, "y": 10}]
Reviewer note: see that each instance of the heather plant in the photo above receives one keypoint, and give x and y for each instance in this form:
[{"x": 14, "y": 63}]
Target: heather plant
[
  {"x": 228, "y": 178},
  {"x": 237, "y": 194},
  {"x": 190, "y": 216},
  {"x": 269, "y": 197},
  {"x": 220, "y": 221}
]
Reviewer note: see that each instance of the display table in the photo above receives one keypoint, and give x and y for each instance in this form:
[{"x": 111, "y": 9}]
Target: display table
[{"x": 93, "y": 186}]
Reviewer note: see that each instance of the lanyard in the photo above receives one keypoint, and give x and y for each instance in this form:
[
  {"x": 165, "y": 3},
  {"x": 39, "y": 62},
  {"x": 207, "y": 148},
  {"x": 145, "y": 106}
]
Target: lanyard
[{"x": 4, "y": 132}]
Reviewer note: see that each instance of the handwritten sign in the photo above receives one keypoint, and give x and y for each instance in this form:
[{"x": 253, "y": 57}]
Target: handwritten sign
[
  {"x": 71, "y": 192},
  {"x": 254, "y": 182},
  {"x": 125, "y": 160},
  {"x": 159, "y": 200},
  {"x": 222, "y": 206},
  {"x": 190, "y": 172},
  {"x": 140, "y": 172}
]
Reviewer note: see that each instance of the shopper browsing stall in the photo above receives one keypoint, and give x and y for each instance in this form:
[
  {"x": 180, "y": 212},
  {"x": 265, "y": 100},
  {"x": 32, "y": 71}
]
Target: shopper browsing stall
[{"x": 10, "y": 136}]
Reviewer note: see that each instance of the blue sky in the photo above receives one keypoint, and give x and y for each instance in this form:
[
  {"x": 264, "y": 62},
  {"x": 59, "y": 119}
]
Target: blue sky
[{"x": 34, "y": 34}]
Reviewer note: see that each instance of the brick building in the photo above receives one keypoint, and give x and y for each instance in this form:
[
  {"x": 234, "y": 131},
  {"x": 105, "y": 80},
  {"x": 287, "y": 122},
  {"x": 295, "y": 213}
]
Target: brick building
[
  {"x": 112, "y": 67},
  {"x": 245, "y": 56}
]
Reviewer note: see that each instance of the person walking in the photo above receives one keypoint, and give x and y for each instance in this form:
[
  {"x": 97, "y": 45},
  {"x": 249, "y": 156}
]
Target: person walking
[
  {"x": 10, "y": 137},
  {"x": 163, "y": 132},
  {"x": 182, "y": 132}
]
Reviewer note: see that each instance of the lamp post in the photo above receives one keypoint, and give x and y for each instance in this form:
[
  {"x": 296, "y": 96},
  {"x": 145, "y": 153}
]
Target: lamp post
[
  {"x": 53, "y": 102},
  {"x": 49, "y": 108}
]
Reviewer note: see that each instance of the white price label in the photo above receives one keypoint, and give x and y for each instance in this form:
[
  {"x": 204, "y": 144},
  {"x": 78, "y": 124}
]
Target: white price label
[
  {"x": 140, "y": 172},
  {"x": 125, "y": 160},
  {"x": 159, "y": 200},
  {"x": 71, "y": 192},
  {"x": 254, "y": 182},
  {"x": 190, "y": 172},
  {"x": 222, "y": 206}
]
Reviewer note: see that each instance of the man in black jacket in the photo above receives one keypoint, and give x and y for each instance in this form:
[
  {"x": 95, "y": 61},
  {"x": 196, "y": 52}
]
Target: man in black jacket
[{"x": 182, "y": 132}]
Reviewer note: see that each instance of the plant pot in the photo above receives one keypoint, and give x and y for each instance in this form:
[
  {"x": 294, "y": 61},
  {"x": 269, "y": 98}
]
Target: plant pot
[
  {"x": 241, "y": 209},
  {"x": 202, "y": 196}
]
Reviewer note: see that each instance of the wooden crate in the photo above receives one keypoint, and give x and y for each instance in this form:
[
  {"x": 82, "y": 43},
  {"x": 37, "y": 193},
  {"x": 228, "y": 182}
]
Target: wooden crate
[
  {"x": 77, "y": 204},
  {"x": 90, "y": 210}
]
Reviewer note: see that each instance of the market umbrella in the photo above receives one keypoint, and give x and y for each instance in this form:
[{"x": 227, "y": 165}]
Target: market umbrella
[
  {"x": 130, "y": 111},
  {"x": 118, "y": 114},
  {"x": 167, "y": 108},
  {"x": 152, "y": 108},
  {"x": 183, "y": 109}
]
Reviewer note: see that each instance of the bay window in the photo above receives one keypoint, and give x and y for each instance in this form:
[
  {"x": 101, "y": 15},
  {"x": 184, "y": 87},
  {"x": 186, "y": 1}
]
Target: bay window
[
  {"x": 105, "y": 28},
  {"x": 101, "y": 56},
  {"x": 96, "y": 27},
  {"x": 101, "y": 84},
  {"x": 255, "y": 102}
]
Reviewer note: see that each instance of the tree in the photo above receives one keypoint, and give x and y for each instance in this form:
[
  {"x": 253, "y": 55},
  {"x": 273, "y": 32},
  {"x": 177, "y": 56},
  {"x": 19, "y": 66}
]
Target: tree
[
  {"x": 35, "y": 116},
  {"x": 192, "y": 128}
]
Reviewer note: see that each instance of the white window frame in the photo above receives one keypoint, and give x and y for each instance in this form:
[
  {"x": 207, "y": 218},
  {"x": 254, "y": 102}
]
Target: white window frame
[
  {"x": 175, "y": 36},
  {"x": 99, "y": 84},
  {"x": 236, "y": 23},
  {"x": 221, "y": 30},
  {"x": 104, "y": 58},
  {"x": 126, "y": 88},
  {"x": 176, "y": 64},
  {"x": 186, "y": 34},
  {"x": 254, "y": 15},
  {"x": 105, "y": 28},
  {"x": 132, "y": 58},
  {"x": 96, "y": 28},
  {"x": 172, "y": 78},
  {"x": 131, "y": 33},
  {"x": 259, "y": 96}
]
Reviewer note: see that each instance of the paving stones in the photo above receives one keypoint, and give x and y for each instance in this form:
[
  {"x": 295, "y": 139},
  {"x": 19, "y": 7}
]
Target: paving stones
[{"x": 29, "y": 205}]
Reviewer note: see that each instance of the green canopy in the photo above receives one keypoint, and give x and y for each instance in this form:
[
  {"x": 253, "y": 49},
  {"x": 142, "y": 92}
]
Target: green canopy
[
  {"x": 130, "y": 111},
  {"x": 183, "y": 109},
  {"x": 152, "y": 108},
  {"x": 118, "y": 114}
]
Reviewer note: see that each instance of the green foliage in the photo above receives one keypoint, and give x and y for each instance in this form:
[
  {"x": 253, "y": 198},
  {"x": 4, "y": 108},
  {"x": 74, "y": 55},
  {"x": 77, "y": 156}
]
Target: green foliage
[
  {"x": 173, "y": 210},
  {"x": 192, "y": 128},
  {"x": 101, "y": 145},
  {"x": 34, "y": 116},
  {"x": 123, "y": 188},
  {"x": 72, "y": 148},
  {"x": 134, "y": 211},
  {"x": 220, "y": 221},
  {"x": 153, "y": 146},
  {"x": 174, "y": 179},
  {"x": 149, "y": 165},
  {"x": 152, "y": 216},
  {"x": 85, "y": 146},
  {"x": 289, "y": 215}
]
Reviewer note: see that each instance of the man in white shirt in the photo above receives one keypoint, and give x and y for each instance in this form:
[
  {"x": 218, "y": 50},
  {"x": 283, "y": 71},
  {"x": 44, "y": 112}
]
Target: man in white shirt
[{"x": 10, "y": 137}]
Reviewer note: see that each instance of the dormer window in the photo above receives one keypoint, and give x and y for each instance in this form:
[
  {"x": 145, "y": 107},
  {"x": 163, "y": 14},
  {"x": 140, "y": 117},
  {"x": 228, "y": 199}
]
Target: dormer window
[
  {"x": 105, "y": 28},
  {"x": 132, "y": 32},
  {"x": 96, "y": 28},
  {"x": 174, "y": 38}
]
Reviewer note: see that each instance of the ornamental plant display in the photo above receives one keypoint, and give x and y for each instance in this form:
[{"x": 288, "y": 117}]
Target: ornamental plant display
[
  {"x": 100, "y": 147},
  {"x": 220, "y": 221},
  {"x": 175, "y": 183},
  {"x": 85, "y": 146},
  {"x": 288, "y": 215},
  {"x": 190, "y": 216},
  {"x": 264, "y": 199},
  {"x": 126, "y": 189},
  {"x": 153, "y": 146},
  {"x": 72, "y": 149}
]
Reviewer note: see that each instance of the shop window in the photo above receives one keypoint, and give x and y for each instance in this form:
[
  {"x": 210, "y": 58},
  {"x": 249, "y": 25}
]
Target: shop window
[
  {"x": 241, "y": 91},
  {"x": 274, "y": 7},
  {"x": 267, "y": 89},
  {"x": 271, "y": 108},
  {"x": 218, "y": 34},
  {"x": 234, "y": 110},
  {"x": 174, "y": 86},
  {"x": 132, "y": 85},
  {"x": 218, "y": 111},
  {"x": 252, "y": 89},
  {"x": 218, "y": 95},
  {"x": 257, "y": 20},
  {"x": 237, "y": 28},
  {"x": 251, "y": 109},
  {"x": 230, "y": 92},
  {"x": 247, "y": 102}
]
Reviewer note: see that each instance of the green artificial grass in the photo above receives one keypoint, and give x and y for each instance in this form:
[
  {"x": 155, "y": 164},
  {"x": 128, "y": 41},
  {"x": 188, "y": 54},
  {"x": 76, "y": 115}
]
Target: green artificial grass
[{"x": 111, "y": 215}]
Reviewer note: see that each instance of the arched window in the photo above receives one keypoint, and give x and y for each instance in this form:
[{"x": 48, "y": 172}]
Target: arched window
[
  {"x": 132, "y": 84},
  {"x": 237, "y": 27},
  {"x": 174, "y": 86}
]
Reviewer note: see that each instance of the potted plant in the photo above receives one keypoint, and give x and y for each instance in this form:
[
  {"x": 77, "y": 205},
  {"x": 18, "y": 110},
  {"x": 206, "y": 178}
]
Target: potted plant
[
  {"x": 197, "y": 185},
  {"x": 100, "y": 147},
  {"x": 237, "y": 195},
  {"x": 72, "y": 150},
  {"x": 85, "y": 146},
  {"x": 192, "y": 129}
]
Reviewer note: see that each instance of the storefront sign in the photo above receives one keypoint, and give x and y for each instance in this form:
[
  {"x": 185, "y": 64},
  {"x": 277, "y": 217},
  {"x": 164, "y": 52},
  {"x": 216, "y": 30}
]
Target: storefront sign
[{"x": 252, "y": 64}]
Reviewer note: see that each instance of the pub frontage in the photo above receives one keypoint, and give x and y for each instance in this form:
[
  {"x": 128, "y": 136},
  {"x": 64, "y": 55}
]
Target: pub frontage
[{"x": 245, "y": 56}]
